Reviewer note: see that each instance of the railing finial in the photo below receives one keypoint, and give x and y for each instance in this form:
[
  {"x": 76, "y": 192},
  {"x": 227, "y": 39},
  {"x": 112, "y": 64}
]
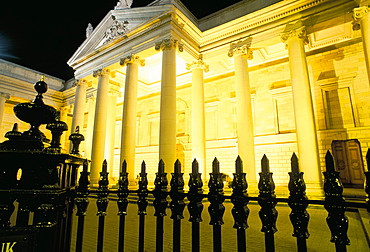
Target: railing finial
[
  {"x": 329, "y": 162},
  {"x": 294, "y": 163}
]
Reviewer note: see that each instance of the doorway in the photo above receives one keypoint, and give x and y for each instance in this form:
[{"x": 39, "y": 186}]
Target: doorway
[{"x": 349, "y": 162}]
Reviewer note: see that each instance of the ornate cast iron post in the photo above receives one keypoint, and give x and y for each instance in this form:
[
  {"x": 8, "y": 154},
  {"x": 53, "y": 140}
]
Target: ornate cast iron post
[
  {"x": 216, "y": 209},
  {"x": 297, "y": 202},
  {"x": 240, "y": 200},
  {"x": 335, "y": 205},
  {"x": 160, "y": 203},
  {"x": 76, "y": 138},
  {"x": 195, "y": 205},
  {"x": 267, "y": 201},
  {"x": 40, "y": 178}
]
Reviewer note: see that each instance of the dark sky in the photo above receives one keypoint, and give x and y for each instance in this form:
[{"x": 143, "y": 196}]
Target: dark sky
[{"x": 43, "y": 35}]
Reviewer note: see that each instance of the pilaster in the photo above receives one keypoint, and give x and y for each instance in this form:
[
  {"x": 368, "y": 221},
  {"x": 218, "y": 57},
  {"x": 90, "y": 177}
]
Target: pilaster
[
  {"x": 361, "y": 18},
  {"x": 3, "y": 98}
]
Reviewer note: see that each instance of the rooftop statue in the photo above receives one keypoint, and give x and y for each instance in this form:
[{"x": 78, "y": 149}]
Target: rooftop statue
[
  {"x": 124, "y": 4},
  {"x": 89, "y": 30}
]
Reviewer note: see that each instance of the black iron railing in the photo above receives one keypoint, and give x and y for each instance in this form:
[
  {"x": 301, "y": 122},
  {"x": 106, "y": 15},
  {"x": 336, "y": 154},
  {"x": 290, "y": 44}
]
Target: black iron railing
[{"x": 173, "y": 196}]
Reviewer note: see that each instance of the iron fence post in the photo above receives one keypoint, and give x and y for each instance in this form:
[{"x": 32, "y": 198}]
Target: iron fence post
[
  {"x": 122, "y": 204},
  {"x": 267, "y": 201},
  {"x": 102, "y": 204},
  {"x": 160, "y": 203},
  {"x": 335, "y": 205},
  {"x": 216, "y": 208},
  {"x": 177, "y": 204},
  {"x": 297, "y": 202},
  {"x": 195, "y": 206},
  {"x": 240, "y": 200},
  {"x": 142, "y": 204},
  {"x": 82, "y": 202}
]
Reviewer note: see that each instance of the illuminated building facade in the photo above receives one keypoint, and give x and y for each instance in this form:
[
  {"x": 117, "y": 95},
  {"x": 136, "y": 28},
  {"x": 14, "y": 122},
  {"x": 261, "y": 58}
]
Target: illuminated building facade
[{"x": 259, "y": 77}]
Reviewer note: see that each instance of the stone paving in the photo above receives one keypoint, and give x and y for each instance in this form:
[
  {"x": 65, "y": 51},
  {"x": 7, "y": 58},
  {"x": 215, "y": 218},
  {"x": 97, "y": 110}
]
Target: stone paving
[{"x": 318, "y": 229}]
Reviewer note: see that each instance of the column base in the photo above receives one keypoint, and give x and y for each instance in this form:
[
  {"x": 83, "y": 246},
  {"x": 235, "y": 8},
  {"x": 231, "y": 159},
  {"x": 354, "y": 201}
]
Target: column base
[{"x": 314, "y": 190}]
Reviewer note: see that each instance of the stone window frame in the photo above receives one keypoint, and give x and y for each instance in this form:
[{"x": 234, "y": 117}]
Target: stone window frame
[{"x": 336, "y": 83}]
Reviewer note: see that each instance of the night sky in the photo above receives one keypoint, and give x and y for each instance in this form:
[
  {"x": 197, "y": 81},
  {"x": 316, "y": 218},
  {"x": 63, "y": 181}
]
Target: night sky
[{"x": 43, "y": 35}]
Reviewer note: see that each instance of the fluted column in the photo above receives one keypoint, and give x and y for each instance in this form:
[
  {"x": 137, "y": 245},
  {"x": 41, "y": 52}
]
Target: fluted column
[
  {"x": 129, "y": 113},
  {"x": 90, "y": 126},
  {"x": 361, "y": 16},
  {"x": 167, "y": 123},
  {"x": 295, "y": 38},
  {"x": 3, "y": 98},
  {"x": 198, "y": 134},
  {"x": 100, "y": 123},
  {"x": 244, "y": 116},
  {"x": 79, "y": 104},
  {"x": 110, "y": 135}
]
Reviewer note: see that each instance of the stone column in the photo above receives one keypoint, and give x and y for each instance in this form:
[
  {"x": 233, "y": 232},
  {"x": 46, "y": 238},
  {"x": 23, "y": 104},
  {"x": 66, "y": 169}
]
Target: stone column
[
  {"x": 295, "y": 38},
  {"x": 198, "y": 134},
  {"x": 129, "y": 113},
  {"x": 3, "y": 98},
  {"x": 244, "y": 116},
  {"x": 63, "y": 117},
  {"x": 167, "y": 123},
  {"x": 110, "y": 135},
  {"x": 90, "y": 126},
  {"x": 79, "y": 104},
  {"x": 361, "y": 16},
  {"x": 100, "y": 123}
]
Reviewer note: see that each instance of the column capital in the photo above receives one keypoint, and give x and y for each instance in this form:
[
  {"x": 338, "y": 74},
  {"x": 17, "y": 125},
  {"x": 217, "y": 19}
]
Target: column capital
[
  {"x": 132, "y": 59},
  {"x": 198, "y": 64},
  {"x": 64, "y": 109},
  {"x": 5, "y": 95},
  {"x": 168, "y": 44},
  {"x": 242, "y": 47},
  {"x": 104, "y": 71},
  {"x": 290, "y": 32},
  {"x": 81, "y": 82},
  {"x": 360, "y": 12}
]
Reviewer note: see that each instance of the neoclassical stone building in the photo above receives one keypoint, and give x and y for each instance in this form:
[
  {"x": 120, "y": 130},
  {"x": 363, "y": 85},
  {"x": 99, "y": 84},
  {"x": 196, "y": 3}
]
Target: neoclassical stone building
[{"x": 259, "y": 77}]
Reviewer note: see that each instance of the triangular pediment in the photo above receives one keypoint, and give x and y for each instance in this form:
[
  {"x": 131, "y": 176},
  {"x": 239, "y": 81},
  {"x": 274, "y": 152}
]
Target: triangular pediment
[{"x": 115, "y": 25}]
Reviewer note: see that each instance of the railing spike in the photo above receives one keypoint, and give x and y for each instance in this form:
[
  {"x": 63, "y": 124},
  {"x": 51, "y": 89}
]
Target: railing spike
[
  {"x": 105, "y": 165},
  {"x": 143, "y": 167},
  {"x": 177, "y": 167},
  {"x": 294, "y": 163},
  {"x": 161, "y": 167},
  {"x": 215, "y": 166},
  {"x": 238, "y": 165},
  {"x": 265, "y": 164},
  {"x": 195, "y": 166},
  {"x": 124, "y": 166},
  {"x": 329, "y": 162}
]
